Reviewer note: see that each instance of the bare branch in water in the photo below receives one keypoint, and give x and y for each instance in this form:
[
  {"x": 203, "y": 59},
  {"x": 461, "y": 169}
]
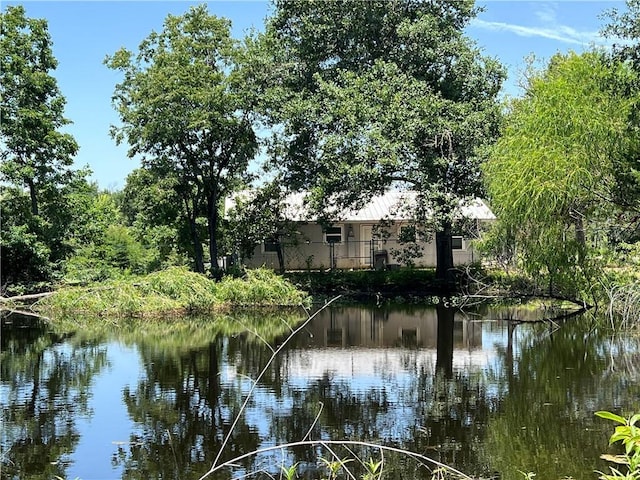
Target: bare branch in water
[{"x": 255, "y": 383}]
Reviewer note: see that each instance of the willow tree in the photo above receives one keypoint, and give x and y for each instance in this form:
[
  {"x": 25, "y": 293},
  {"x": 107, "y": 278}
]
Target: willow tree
[
  {"x": 624, "y": 29},
  {"x": 553, "y": 176},
  {"x": 183, "y": 113},
  {"x": 367, "y": 96}
]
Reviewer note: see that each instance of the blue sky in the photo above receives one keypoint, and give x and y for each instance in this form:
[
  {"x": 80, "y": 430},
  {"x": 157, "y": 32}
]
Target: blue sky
[{"x": 84, "y": 32}]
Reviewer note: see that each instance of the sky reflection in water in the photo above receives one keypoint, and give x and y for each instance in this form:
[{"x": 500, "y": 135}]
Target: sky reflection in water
[{"x": 480, "y": 394}]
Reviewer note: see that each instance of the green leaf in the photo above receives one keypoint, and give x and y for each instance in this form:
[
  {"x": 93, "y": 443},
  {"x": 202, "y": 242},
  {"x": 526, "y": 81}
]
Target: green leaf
[{"x": 611, "y": 416}]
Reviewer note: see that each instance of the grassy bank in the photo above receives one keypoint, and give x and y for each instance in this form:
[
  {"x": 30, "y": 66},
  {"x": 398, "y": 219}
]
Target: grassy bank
[{"x": 172, "y": 291}]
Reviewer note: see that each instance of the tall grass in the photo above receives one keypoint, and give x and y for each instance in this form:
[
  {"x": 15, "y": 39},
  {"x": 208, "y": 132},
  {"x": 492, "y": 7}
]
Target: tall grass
[
  {"x": 624, "y": 305},
  {"x": 260, "y": 287},
  {"x": 172, "y": 291}
]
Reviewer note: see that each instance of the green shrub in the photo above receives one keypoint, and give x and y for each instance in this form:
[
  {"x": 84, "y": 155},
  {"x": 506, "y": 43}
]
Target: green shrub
[
  {"x": 259, "y": 287},
  {"x": 627, "y": 433}
]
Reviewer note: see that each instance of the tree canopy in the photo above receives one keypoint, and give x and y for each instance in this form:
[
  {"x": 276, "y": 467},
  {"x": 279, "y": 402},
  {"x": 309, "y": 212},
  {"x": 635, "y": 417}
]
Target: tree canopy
[
  {"x": 558, "y": 170},
  {"x": 183, "y": 112},
  {"x": 363, "y": 97},
  {"x": 624, "y": 28},
  {"x": 35, "y": 154},
  {"x": 36, "y": 176}
]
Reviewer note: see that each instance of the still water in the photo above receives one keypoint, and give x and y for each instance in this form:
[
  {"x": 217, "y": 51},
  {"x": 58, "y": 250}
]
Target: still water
[{"x": 152, "y": 400}]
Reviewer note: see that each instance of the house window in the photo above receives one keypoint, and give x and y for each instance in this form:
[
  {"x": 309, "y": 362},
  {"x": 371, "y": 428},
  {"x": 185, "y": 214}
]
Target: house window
[
  {"x": 270, "y": 246},
  {"x": 333, "y": 235},
  {"x": 409, "y": 337},
  {"x": 457, "y": 243}
]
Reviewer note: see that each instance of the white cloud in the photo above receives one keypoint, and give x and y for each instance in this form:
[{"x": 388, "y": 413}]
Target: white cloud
[
  {"x": 561, "y": 33},
  {"x": 546, "y": 13}
]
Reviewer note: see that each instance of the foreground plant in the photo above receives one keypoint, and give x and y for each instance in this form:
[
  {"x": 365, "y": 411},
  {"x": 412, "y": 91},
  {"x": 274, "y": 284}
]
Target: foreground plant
[
  {"x": 289, "y": 473},
  {"x": 628, "y": 434},
  {"x": 374, "y": 470},
  {"x": 334, "y": 466}
]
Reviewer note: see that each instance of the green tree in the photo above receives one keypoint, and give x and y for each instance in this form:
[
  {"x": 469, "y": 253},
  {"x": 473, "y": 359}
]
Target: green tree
[
  {"x": 153, "y": 209},
  {"x": 41, "y": 194},
  {"x": 624, "y": 28},
  {"x": 35, "y": 154},
  {"x": 182, "y": 111},
  {"x": 33, "y": 248},
  {"x": 23, "y": 256},
  {"x": 555, "y": 173},
  {"x": 369, "y": 96}
]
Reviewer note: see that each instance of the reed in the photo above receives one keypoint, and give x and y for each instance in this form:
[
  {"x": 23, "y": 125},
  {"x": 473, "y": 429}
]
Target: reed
[{"x": 624, "y": 305}]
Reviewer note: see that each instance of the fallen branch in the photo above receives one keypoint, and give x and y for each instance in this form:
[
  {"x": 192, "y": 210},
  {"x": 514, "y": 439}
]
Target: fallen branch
[
  {"x": 25, "y": 298},
  {"x": 423, "y": 459},
  {"x": 24, "y": 312}
]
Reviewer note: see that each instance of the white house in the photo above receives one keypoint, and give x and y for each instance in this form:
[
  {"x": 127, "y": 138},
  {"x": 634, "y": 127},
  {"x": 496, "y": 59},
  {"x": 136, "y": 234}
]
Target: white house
[{"x": 351, "y": 242}]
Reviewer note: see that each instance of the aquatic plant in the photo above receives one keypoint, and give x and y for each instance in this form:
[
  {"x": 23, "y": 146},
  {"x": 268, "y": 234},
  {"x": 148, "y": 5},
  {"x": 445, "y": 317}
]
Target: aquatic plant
[{"x": 623, "y": 299}]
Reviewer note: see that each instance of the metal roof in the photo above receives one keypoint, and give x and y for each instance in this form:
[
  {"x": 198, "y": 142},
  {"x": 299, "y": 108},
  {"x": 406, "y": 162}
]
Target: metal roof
[
  {"x": 390, "y": 205},
  {"x": 393, "y": 204}
]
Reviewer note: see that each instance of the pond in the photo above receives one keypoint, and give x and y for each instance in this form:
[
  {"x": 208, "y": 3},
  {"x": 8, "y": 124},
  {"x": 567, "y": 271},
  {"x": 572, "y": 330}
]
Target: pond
[{"x": 476, "y": 391}]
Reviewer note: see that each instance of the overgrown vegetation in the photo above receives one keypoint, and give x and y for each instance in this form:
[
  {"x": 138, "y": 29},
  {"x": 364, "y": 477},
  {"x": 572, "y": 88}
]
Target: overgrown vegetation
[{"x": 171, "y": 291}]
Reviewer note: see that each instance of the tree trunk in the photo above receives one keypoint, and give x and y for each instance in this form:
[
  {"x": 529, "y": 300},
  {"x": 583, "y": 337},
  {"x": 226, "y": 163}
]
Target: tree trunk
[
  {"x": 34, "y": 197},
  {"x": 198, "y": 255},
  {"x": 212, "y": 213},
  {"x": 444, "y": 258},
  {"x": 197, "y": 246},
  {"x": 280, "y": 256}
]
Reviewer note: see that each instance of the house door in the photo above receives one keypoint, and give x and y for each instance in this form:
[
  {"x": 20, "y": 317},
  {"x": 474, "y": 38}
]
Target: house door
[{"x": 365, "y": 245}]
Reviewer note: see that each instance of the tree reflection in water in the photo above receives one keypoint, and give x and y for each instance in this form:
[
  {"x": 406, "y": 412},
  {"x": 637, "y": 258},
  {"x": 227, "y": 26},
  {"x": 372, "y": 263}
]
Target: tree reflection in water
[
  {"x": 557, "y": 380},
  {"x": 46, "y": 380},
  {"x": 481, "y": 396}
]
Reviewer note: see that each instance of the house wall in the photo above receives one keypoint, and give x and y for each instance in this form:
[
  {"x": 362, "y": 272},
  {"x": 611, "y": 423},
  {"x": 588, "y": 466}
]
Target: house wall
[
  {"x": 353, "y": 326},
  {"x": 309, "y": 250}
]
